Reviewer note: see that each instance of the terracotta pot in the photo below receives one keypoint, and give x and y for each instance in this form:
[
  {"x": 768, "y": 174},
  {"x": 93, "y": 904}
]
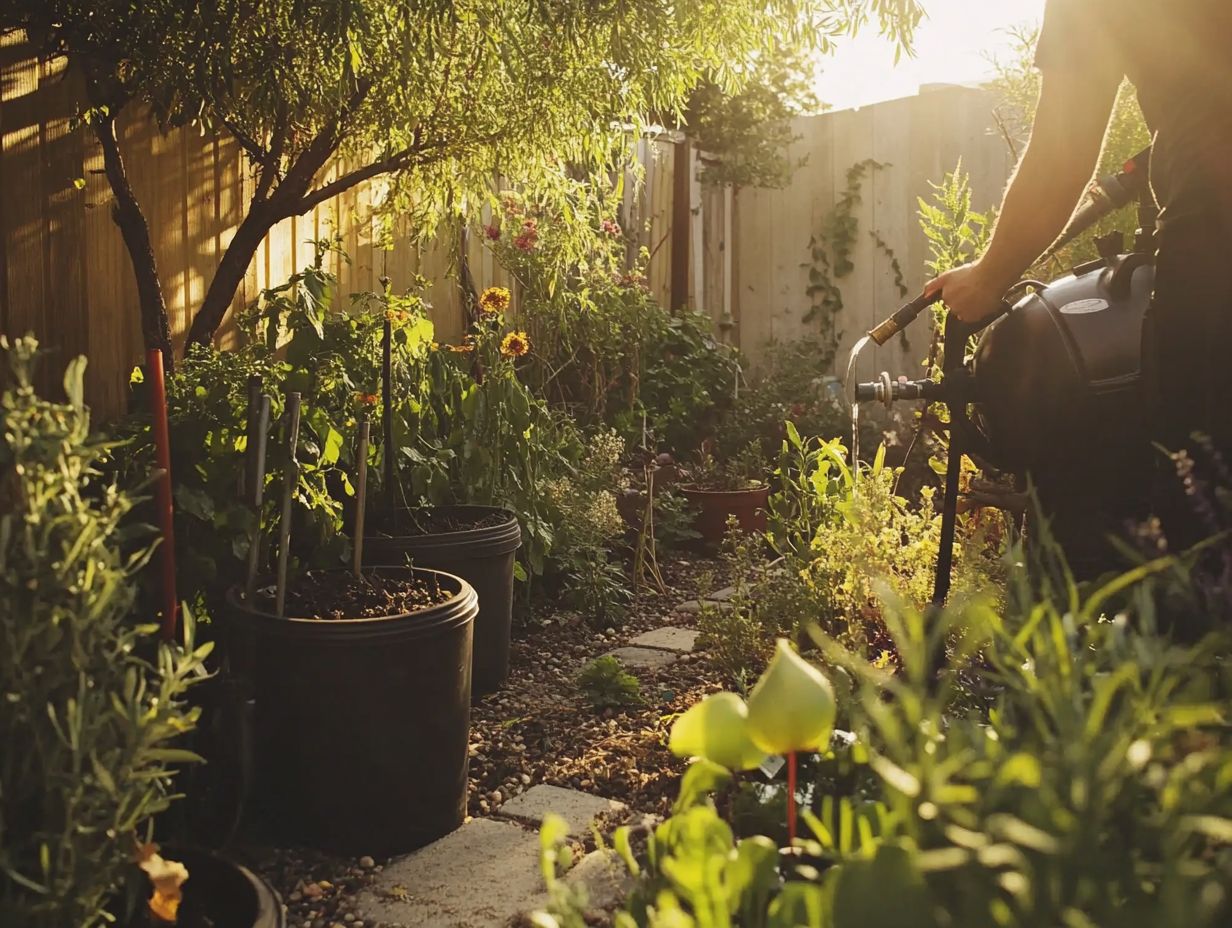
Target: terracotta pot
[{"x": 715, "y": 506}]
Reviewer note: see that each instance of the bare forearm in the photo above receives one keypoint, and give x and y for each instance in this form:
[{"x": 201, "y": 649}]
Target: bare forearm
[{"x": 1059, "y": 162}]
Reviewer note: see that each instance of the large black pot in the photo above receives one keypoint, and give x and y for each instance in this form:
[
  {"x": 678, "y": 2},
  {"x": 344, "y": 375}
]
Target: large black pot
[
  {"x": 483, "y": 557},
  {"x": 361, "y": 724},
  {"x": 218, "y": 892}
]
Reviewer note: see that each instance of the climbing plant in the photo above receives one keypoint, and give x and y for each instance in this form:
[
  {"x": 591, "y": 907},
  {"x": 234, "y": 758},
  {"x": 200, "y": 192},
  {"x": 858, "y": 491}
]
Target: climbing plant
[{"x": 830, "y": 256}]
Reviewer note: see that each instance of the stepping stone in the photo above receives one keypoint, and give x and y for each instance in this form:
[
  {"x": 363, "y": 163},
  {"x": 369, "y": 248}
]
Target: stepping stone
[
  {"x": 476, "y": 877},
  {"x": 644, "y": 658},
  {"x": 667, "y": 639},
  {"x": 579, "y": 809},
  {"x": 605, "y": 878},
  {"x": 693, "y": 607},
  {"x": 723, "y": 595}
]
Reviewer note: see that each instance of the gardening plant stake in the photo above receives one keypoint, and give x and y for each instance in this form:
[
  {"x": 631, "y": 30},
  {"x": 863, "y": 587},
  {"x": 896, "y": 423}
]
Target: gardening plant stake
[
  {"x": 166, "y": 516},
  {"x": 258, "y": 440},
  {"x": 289, "y": 482},
  {"x": 387, "y": 398},
  {"x": 361, "y": 492}
]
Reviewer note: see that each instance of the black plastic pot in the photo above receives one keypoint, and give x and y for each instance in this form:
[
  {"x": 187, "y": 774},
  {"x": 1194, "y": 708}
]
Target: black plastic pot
[
  {"x": 218, "y": 893},
  {"x": 361, "y": 724},
  {"x": 484, "y": 558}
]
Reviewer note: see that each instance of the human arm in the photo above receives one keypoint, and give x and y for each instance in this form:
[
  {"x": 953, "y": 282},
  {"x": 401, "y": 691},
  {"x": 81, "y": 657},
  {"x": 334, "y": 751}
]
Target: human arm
[{"x": 1061, "y": 157}]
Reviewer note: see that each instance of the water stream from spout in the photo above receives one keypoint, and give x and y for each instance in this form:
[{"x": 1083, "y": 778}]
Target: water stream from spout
[{"x": 849, "y": 386}]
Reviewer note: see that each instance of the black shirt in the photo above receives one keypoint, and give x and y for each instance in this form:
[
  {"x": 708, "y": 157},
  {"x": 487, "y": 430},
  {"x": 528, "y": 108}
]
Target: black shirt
[{"x": 1178, "y": 54}]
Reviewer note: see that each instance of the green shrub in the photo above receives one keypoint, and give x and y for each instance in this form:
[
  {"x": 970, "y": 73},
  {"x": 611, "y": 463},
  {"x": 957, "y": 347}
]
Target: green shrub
[
  {"x": 840, "y": 536},
  {"x": 1093, "y": 787},
  {"x": 607, "y": 684},
  {"x": 91, "y": 704}
]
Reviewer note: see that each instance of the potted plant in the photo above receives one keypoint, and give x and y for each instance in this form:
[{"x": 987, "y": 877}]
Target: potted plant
[
  {"x": 363, "y": 691},
  {"x": 478, "y": 544},
  {"x": 362, "y": 683},
  {"x": 197, "y": 889},
  {"x": 735, "y": 488}
]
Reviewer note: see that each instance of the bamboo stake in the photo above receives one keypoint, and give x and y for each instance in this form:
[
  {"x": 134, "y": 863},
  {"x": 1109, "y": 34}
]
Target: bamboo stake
[
  {"x": 361, "y": 493},
  {"x": 258, "y": 440},
  {"x": 290, "y": 481}
]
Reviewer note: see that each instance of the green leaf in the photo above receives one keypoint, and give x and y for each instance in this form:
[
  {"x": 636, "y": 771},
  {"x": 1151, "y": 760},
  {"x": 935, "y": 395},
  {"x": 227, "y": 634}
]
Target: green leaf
[
  {"x": 717, "y": 729},
  {"x": 886, "y": 891}
]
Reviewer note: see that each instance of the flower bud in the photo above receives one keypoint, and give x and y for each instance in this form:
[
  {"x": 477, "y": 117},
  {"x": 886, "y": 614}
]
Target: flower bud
[{"x": 792, "y": 706}]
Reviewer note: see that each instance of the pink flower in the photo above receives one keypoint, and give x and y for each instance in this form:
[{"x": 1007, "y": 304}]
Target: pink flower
[
  {"x": 610, "y": 227},
  {"x": 492, "y": 232},
  {"x": 527, "y": 240}
]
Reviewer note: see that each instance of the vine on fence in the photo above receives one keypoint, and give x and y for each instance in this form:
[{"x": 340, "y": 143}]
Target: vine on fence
[{"x": 831, "y": 249}]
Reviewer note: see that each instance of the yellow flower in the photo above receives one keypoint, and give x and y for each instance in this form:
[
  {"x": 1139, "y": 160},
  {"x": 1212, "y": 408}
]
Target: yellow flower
[
  {"x": 467, "y": 346},
  {"x": 515, "y": 345},
  {"x": 494, "y": 301}
]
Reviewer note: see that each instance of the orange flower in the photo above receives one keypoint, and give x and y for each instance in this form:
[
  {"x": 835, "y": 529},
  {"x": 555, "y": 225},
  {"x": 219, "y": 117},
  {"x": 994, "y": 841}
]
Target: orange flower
[
  {"x": 366, "y": 399},
  {"x": 166, "y": 876},
  {"x": 467, "y": 346},
  {"x": 494, "y": 301},
  {"x": 515, "y": 345}
]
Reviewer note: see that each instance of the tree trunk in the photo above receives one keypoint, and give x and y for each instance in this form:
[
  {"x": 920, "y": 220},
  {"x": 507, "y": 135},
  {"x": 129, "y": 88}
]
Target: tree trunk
[
  {"x": 127, "y": 215},
  {"x": 230, "y": 274}
]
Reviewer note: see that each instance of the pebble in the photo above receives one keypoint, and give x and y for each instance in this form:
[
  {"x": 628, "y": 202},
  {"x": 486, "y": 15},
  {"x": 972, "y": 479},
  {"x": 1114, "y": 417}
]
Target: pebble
[
  {"x": 295, "y": 896},
  {"x": 349, "y": 917},
  {"x": 313, "y": 891},
  {"x": 526, "y": 779},
  {"x": 367, "y": 862}
]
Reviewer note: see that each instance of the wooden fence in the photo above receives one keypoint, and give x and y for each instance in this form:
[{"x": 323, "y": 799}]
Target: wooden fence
[
  {"x": 65, "y": 275},
  {"x": 917, "y": 140}
]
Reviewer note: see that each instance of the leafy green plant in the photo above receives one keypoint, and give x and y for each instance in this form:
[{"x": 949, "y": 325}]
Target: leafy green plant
[
  {"x": 794, "y": 382},
  {"x": 745, "y": 136},
  {"x": 830, "y": 259},
  {"x": 606, "y": 684},
  {"x": 839, "y": 534},
  {"x": 93, "y": 706},
  {"x": 1088, "y": 787},
  {"x": 605, "y": 351}
]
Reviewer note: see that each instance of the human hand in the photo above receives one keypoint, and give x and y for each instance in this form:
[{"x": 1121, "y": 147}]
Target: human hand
[{"x": 968, "y": 293}]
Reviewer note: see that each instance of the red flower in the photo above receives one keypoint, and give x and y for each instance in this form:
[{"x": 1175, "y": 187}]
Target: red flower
[{"x": 492, "y": 232}]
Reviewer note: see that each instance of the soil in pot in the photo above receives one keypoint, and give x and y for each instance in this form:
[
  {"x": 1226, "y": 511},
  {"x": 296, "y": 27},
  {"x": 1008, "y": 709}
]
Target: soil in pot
[
  {"x": 335, "y": 595},
  {"x": 478, "y": 544},
  {"x": 440, "y": 520}
]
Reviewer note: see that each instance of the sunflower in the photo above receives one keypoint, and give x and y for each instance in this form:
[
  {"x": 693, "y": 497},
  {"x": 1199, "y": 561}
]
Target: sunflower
[
  {"x": 494, "y": 301},
  {"x": 467, "y": 346},
  {"x": 515, "y": 345}
]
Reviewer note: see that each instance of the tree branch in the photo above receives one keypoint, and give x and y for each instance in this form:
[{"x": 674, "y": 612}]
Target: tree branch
[{"x": 402, "y": 159}]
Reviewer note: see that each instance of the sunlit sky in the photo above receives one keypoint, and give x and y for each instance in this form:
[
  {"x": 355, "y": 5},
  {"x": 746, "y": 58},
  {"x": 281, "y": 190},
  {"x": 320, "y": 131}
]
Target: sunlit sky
[{"x": 951, "y": 46}]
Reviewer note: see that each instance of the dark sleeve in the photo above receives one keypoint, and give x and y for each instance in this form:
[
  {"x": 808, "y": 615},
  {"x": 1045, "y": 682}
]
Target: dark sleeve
[{"x": 1077, "y": 37}]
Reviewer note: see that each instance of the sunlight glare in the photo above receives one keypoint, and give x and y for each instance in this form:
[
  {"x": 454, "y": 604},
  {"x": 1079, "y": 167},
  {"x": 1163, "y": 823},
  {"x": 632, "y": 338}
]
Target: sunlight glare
[{"x": 952, "y": 46}]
